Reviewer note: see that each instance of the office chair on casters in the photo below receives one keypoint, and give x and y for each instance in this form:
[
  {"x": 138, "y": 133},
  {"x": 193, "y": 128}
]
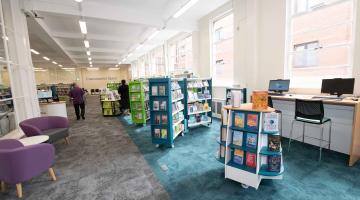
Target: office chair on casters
[{"x": 312, "y": 112}]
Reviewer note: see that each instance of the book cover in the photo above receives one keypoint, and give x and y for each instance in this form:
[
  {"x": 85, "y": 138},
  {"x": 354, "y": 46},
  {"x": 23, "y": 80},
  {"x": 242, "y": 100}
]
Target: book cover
[
  {"x": 222, "y": 151},
  {"x": 251, "y": 140},
  {"x": 223, "y": 134},
  {"x": 271, "y": 122},
  {"x": 163, "y": 133},
  {"x": 157, "y": 119},
  {"x": 157, "y": 133},
  {"x": 238, "y": 157},
  {"x": 260, "y": 100},
  {"x": 252, "y": 121},
  {"x": 154, "y": 90},
  {"x": 274, "y": 163},
  {"x": 239, "y": 120},
  {"x": 162, "y": 90},
  {"x": 274, "y": 142},
  {"x": 251, "y": 159},
  {"x": 163, "y": 106},
  {"x": 164, "y": 119},
  {"x": 237, "y": 138},
  {"x": 156, "y": 105}
]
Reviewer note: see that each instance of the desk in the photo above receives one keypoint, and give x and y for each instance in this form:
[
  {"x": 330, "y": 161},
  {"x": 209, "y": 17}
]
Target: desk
[{"x": 345, "y": 116}]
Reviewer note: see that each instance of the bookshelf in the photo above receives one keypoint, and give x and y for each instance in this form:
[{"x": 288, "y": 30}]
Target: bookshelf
[
  {"x": 253, "y": 149},
  {"x": 110, "y": 103},
  {"x": 198, "y": 101},
  {"x": 139, "y": 101},
  {"x": 166, "y": 110}
]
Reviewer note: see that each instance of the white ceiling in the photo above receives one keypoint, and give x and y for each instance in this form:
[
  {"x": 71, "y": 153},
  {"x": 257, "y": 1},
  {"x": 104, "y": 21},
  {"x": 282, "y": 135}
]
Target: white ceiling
[{"x": 115, "y": 28}]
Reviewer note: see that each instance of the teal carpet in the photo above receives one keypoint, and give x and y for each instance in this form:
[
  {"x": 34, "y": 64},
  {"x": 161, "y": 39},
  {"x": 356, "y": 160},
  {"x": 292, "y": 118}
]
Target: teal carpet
[{"x": 194, "y": 173}]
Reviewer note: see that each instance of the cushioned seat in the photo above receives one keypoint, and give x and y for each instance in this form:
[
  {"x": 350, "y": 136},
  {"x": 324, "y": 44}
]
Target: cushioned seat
[{"x": 56, "y": 134}]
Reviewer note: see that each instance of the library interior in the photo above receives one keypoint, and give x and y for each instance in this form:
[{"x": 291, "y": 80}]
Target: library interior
[{"x": 180, "y": 99}]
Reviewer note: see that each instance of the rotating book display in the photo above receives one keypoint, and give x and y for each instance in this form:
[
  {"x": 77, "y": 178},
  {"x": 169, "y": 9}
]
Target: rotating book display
[
  {"x": 166, "y": 110},
  {"x": 253, "y": 148},
  {"x": 139, "y": 101}
]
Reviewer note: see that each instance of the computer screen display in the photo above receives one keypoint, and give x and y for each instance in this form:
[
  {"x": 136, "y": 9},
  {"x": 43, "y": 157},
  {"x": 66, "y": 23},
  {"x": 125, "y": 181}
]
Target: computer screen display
[
  {"x": 338, "y": 86},
  {"x": 279, "y": 85}
]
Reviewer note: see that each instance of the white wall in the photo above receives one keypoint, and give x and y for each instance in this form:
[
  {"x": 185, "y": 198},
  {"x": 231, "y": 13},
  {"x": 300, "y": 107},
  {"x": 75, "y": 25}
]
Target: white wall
[{"x": 259, "y": 44}]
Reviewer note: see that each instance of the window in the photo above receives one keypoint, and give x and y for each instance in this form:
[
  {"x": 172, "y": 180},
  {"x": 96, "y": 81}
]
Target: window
[
  {"x": 320, "y": 37},
  {"x": 180, "y": 53},
  {"x": 223, "y": 50}
]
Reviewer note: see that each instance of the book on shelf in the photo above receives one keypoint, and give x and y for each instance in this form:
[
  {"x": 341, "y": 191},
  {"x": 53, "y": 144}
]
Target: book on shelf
[
  {"x": 237, "y": 138},
  {"x": 163, "y": 133},
  {"x": 238, "y": 157},
  {"x": 252, "y": 122},
  {"x": 164, "y": 119},
  {"x": 156, "y": 105},
  {"x": 250, "y": 159},
  {"x": 162, "y": 91},
  {"x": 157, "y": 133},
  {"x": 274, "y": 142},
  {"x": 222, "y": 151},
  {"x": 163, "y": 106},
  {"x": 239, "y": 120},
  {"x": 274, "y": 163},
  {"x": 271, "y": 122},
  {"x": 260, "y": 100},
  {"x": 223, "y": 134},
  {"x": 154, "y": 90},
  {"x": 251, "y": 140}
]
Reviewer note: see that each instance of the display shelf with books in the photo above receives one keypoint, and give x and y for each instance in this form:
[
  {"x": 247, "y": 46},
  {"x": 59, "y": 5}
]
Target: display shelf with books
[
  {"x": 198, "y": 101},
  {"x": 110, "y": 103},
  {"x": 250, "y": 153},
  {"x": 139, "y": 101},
  {"x": 112, "y": 86},
  {"x": 166, "y": 110},
  {"x": 221, "y": 140}
]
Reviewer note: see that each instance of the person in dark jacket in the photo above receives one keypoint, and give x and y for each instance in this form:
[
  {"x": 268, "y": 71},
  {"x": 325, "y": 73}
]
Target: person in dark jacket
[
  {"x": 77, "y": 96},
  {"x": 124, "y": 94}
]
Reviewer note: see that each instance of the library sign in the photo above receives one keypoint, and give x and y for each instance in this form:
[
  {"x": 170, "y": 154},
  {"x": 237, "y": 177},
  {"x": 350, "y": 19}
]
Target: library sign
[{"x": 108, "y": 78}]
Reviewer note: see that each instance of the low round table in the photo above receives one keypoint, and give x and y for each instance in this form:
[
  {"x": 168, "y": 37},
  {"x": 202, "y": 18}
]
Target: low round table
[{"x": 34, "y": 140}]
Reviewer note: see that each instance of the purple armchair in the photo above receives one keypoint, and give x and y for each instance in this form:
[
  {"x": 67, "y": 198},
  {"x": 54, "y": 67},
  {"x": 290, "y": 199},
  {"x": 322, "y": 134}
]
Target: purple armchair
[
  {"x": 54, "y": 126},
  {"x": 20, "y": 163}
]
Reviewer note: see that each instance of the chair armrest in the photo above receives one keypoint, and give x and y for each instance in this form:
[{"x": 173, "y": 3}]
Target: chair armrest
[
  {"x": 58, "y": 122},
  {"x": 21, "y": 164},
  {"x": 30, "y": 130},
  {"x": 10, "y": 144}
]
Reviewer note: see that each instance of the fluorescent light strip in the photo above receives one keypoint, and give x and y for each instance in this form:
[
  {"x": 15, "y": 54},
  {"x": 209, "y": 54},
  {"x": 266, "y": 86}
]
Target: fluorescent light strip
[
  {"x": 130, "y": 54},
  {"x": 68, "y": 68},
  {"x": 153, "y": 35},
  {"x": 123, "y": 60},
  {"x": 46, "y": 58},
  {"x": 116, "y": 65},
  {"x": 53, "y": 62},
  {"x": 89, "y": 59},
  {"x": 113, "y": 68},
  {"x": 35, "y": 52},
  {"x": 139, "y": 47},
  {"x": 186, "y": 7},
  {"x": 86, "y": 43},
  {"x": 90, "y": 63},
  {"x": 93, "y": 69},
  {"x": 83, "y": 26},
  {"x": 79, "y": 1},
  {"x": 60, "y": 65},
  {"x": 88, "y": 53}
]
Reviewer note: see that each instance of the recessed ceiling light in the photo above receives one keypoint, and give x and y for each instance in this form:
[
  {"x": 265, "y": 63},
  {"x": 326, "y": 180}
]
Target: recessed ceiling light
[
  {"x": 90, "y": 63},
  {"x": 89, "y": 59},
  {"x": 60, "y": 65},
  {"x": 93, "y": 69},
  {"x": 53, "y": 62},
  {"x": 46, "y": 58},
  {"x": 79, "y": 1},
  {"x": 35, "y": 52},
  {"x": 88, "y": 53},
  {"x": 86, "y": 43},
  {"x": 68, "y": 68},
  {"x": 186, "y": 7},
  {"x": 83, "y": 26},
  {"x": 153, "y": 35},
  {"x": 112, "y": 68},
  {"x": 116, "y": 65}
]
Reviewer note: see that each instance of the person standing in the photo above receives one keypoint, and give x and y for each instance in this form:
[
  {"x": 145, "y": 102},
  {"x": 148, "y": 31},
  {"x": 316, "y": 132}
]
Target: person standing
[
  {"x": 77, "y": 96},
  {"x": 124, "y": 97}
]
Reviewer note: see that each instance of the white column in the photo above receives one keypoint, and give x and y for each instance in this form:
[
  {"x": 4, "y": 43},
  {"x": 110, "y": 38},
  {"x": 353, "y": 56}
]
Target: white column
[{"x": 22, "y": 76}]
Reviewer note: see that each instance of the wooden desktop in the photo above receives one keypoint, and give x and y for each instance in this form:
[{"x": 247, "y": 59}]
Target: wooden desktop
[{"x": 345, "y": 115}]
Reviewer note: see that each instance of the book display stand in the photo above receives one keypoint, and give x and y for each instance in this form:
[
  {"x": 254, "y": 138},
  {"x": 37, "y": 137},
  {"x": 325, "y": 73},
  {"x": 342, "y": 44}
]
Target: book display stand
[
  {"x": 253, "y": 148},
  {"x": 198, "y": 101},
  {"x": 110, "y": 103},
  {"x": 139, "y": 101},
  {"x": 166, "y": 110}
]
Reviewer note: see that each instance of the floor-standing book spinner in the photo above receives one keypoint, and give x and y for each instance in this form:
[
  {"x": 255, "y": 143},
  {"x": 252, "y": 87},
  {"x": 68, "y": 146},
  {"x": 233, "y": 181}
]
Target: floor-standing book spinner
[
  {"x": 139, "y": 101},
  {"x": 253, "y": 149},
  {"x": 220, "y": 155},
  {"x": 166, "y": 110},
  {"x": 198, "y": 101}
]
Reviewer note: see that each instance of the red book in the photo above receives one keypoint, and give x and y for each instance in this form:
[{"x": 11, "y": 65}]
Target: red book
[{"x": 250, "y": 159}]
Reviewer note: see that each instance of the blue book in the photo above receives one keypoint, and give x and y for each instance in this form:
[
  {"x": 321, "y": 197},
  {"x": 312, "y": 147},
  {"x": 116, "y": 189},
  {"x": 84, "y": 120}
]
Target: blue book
[
  {"x": 237, "y": 138},
  {"x": 251, "y": 140}
]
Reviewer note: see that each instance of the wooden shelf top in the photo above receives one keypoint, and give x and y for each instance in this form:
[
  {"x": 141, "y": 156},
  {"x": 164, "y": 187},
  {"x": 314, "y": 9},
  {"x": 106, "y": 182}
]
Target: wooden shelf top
[
  {"x": 248, "y": 107},
  {"x": 345, "y": 102}
]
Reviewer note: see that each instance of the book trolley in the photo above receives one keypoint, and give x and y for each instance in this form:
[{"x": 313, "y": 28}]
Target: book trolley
[
  {"x": 166, "y": 110},
  {"x": 198, "y": 101},
  {"x": 139, "y": 101},
  {"x": 252, "y": 148}
]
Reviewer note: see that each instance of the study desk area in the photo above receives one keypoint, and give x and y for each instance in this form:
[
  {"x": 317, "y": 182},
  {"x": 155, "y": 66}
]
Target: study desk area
[{"x": 343, "y": 112}]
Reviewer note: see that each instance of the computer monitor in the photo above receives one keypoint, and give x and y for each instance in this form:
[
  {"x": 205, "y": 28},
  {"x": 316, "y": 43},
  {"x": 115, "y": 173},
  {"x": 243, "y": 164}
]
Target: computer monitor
[
  {"x": 338, "y": 86},
  {"x": 279, "y": 85}
]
